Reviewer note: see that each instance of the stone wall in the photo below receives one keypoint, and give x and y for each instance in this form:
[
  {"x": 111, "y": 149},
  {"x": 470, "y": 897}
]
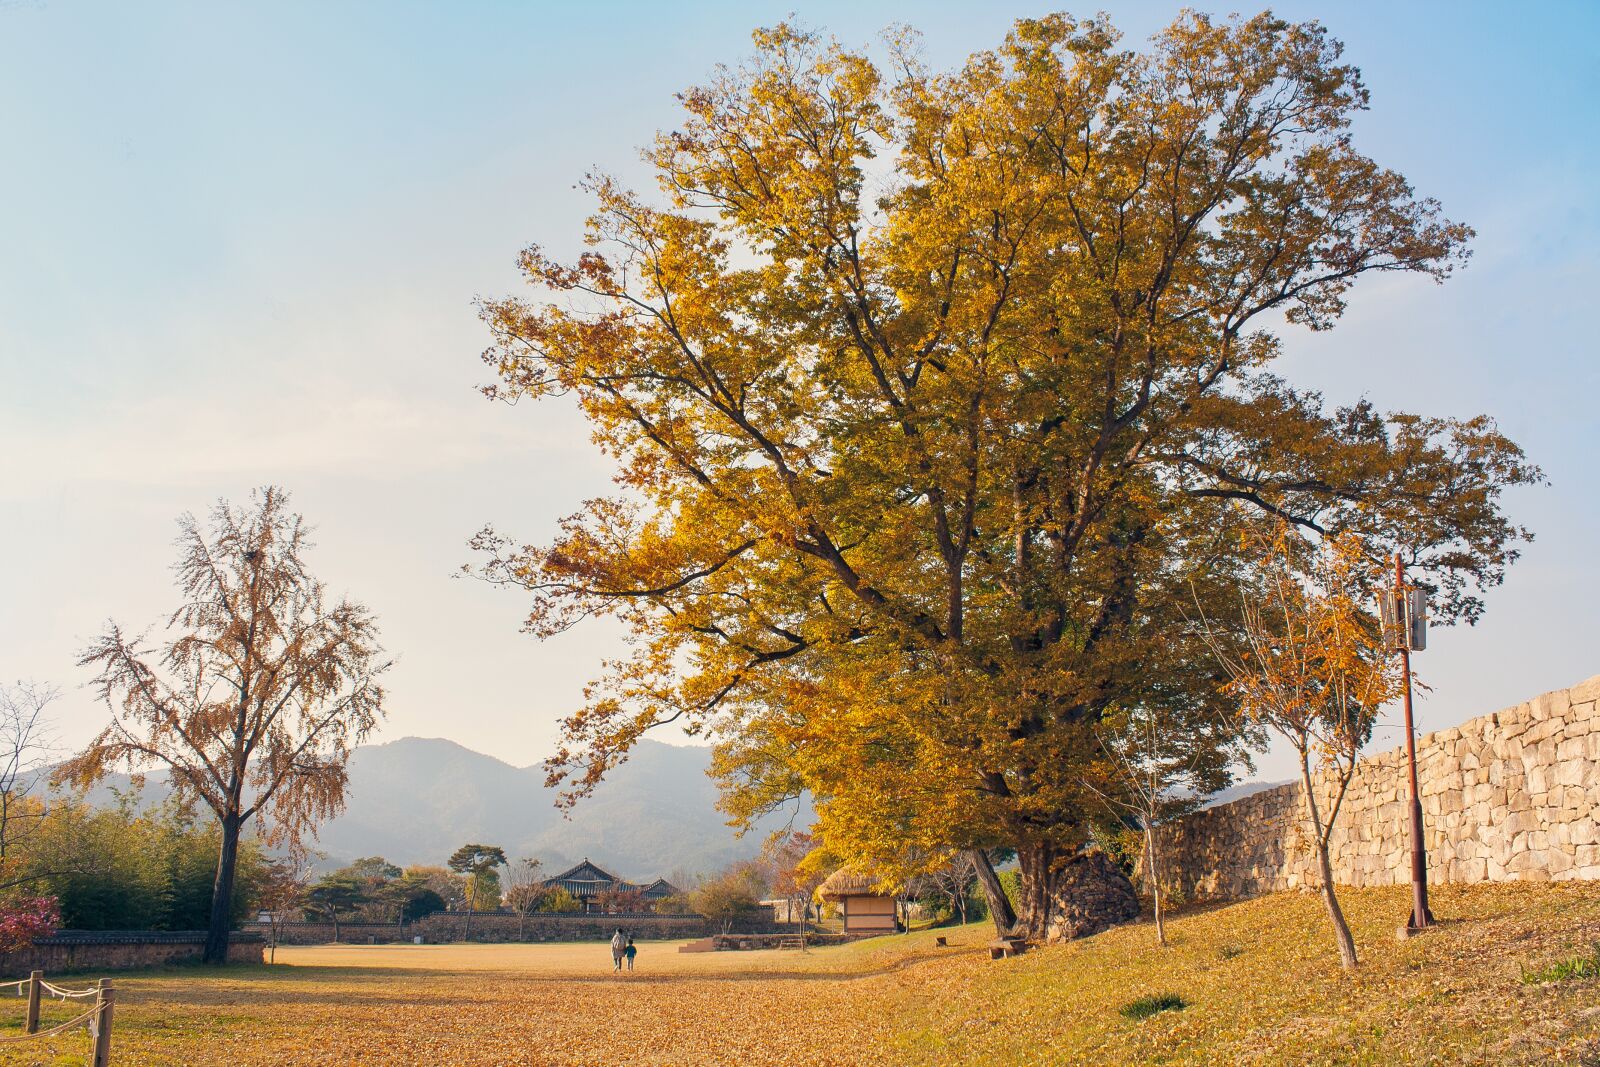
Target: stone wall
[
  {"x": 1509, "y": 796},
  {"x": 493, "y": 927},
  {"x": 113, "y": 950}
]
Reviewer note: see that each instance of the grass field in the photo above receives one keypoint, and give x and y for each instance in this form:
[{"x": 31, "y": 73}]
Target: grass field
[{"x": 1258, "y": 983}]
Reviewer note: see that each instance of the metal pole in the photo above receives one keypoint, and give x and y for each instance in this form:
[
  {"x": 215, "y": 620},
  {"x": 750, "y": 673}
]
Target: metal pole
[{"x": 1421, "y": 917}]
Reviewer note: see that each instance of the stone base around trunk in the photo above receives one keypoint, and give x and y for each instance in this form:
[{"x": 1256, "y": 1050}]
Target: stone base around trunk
[{"x": 1091, "y": 894}]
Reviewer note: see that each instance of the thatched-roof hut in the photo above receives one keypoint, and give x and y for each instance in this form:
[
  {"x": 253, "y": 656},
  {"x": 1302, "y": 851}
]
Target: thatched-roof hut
[{"x": 866, "y": 909}]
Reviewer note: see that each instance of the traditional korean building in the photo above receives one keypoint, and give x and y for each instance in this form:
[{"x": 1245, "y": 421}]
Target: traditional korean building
[
  {"x": 588, "y": 880},
  {"x": 864, "y": 908}
]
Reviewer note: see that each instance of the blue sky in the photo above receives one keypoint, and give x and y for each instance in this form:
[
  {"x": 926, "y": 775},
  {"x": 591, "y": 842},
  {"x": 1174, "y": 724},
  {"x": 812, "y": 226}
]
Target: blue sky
[{"x": 240, "y": 245}]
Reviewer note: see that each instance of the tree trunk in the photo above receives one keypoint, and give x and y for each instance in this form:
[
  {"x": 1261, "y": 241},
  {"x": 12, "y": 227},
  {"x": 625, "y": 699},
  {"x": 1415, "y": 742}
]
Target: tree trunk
[
  {"x": 1038, "y": 866},
  {"x": 222, "y": 893},
  {"x": 1341, "y": 929},
  {"x": 1065, "y": 895},
  {"x": 999, "y": 904},
  {"x": 1153, "y": 870}
]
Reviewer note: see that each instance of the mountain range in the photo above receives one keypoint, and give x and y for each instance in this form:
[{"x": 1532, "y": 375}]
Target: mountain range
[{"x": 415, "y": 800}]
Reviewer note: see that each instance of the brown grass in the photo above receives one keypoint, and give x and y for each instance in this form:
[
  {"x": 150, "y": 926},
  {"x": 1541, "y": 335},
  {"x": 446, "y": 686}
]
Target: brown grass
[{"x": 1260, "y": 982}]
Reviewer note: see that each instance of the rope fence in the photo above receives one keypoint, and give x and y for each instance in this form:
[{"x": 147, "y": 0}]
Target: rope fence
[
  {"x": 96, "y": 1020},
  {"x": 54, "y": 1030},
  {"x": 68, "y": 994}
]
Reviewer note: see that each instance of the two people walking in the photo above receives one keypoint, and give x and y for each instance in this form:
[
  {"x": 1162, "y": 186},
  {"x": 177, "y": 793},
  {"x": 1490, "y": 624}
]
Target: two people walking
[{"x": 622, "y": 948}]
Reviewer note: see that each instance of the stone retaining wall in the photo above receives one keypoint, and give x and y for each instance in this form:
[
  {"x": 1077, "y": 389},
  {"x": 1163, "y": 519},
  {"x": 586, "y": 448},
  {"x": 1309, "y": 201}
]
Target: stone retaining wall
[
  {"x": 1509, "y": 796},
  {"x": 114, "y": 950}
]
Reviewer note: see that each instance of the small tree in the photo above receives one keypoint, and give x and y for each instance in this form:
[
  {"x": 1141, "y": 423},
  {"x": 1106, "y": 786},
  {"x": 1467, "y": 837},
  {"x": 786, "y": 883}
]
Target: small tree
[
  {"x": 1163, "y": 764},
  {"x": 953, "y": 881},
  {"x": 378, "y": 877},
  {"x": 451, "y": 888},
  {"x": 474, "y": 861},
  {"x": 560, "y": 899},
  {"x": 256, "y": 698},
  {"x": 620, "y": 900},
  {"x": 25, "y": 918},
  {"x": 525, "y": 890},
  {"x": 792, "y": 877},
  {"x": 724, "y": 898},
  {"x": 333, "y": 895},
  {"x": 283, "y": 885},
  {"x": 24, "y": 753},
  {"x": 672, "y": 904},
  {"x": 421, "y": 904},
  {"x": 413, "y": 895},
  {"x": 1309, "y": 664}
]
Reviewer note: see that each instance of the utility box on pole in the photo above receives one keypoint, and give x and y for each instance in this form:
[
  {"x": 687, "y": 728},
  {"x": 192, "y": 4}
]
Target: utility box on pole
[
  {"x": 1405, "y": 618},
  {"x": 1416, "y": 619}
]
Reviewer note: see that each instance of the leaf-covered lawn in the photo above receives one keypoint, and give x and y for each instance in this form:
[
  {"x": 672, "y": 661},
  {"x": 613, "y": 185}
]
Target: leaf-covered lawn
[{"x": 1259, "y": 983}]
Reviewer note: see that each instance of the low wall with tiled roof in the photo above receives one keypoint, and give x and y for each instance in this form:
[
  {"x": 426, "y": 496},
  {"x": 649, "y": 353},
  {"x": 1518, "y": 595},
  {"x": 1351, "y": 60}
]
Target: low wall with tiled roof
[{"x": 501, "y": 926}]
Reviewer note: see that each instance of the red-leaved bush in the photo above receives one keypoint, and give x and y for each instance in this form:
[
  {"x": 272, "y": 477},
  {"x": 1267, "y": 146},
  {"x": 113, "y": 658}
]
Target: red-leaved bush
[{"x": 25, "y": 918}]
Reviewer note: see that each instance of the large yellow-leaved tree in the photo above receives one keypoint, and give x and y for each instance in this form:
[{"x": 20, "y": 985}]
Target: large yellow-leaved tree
[{"x": 934, "y": 397}]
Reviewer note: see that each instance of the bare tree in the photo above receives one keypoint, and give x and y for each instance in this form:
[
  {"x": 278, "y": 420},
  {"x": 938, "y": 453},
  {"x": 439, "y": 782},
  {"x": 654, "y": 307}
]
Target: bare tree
[
  {"x": 25, "y": 748},
  {"x": 793, "y": 879},
  {"x": 257, "y": 695},
  {"x": 525, "y": 890},
  {"x": 285, "y": 882},
  {"x": 954, "y": 881},
  {"x": 1165, "y": 763}
]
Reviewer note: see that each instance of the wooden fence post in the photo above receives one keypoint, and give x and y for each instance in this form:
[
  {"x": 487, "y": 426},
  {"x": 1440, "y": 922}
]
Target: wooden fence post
[
  {"x": 102, "y": 1024},
  {"x": 32, "y": 1025}
]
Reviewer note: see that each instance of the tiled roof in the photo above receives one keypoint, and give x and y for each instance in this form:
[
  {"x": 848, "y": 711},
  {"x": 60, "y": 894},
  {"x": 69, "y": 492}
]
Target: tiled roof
[{"x": 587, "y": 880}]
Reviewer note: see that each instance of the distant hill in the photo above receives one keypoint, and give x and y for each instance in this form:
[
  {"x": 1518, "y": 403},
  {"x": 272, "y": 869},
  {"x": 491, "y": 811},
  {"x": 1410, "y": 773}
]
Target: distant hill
[
  {"x": 416, "y": 799},
  {"x": 1239, "y": 792}
]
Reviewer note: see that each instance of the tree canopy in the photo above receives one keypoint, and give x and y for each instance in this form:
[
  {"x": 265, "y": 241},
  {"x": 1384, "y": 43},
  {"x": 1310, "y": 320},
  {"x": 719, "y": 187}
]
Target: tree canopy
[{"x": 935, "y": 396}]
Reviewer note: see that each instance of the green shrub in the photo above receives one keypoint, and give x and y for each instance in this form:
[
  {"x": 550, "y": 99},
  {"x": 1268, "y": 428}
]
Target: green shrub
[
  {"x": 124, "y": 867},
  {"x": 1577, "y": 967},
  {"x": 1229, "y": 952},
  {"x": 1154, "y": 1004},
  {"x": 1011, "y": 883}
]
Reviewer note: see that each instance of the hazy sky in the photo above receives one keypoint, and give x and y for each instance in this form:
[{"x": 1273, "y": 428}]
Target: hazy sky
[{"x": 240, "y": 245}]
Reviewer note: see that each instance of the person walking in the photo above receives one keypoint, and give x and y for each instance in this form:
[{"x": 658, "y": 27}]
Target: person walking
[
  {"x": 630, "y": 952},
  {"x": 619, "y": 944}
]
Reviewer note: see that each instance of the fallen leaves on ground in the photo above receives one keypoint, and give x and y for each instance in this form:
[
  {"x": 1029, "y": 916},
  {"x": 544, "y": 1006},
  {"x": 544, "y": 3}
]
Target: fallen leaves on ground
[{"x": 1260, "y": 981}]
